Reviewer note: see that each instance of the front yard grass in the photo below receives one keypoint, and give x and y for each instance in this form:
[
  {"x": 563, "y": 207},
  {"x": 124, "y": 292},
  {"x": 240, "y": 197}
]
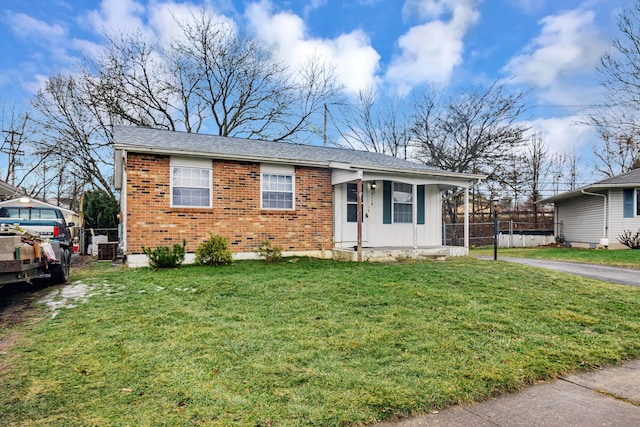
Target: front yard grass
[
  {"x": 618, "y": 257},
  {"x": 312, "y": 342}
]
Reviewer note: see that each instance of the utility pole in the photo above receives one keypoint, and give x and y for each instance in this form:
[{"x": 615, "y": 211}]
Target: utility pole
[{"x": 12, "y": 152}]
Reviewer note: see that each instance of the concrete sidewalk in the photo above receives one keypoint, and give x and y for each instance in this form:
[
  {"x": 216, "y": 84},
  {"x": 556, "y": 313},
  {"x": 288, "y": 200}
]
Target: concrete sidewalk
[{"x": 606, "y": 397}]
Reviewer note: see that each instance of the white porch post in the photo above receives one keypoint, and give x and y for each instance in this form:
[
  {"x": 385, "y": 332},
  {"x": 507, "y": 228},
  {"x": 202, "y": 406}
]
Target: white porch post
[
  {"x": 466, "y": 217},
  {"x": 360, "y": 216},
  {"x": 414, "y": 214}
]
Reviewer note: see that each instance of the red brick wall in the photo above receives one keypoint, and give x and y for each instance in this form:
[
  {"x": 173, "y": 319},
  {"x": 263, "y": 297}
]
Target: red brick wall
[{"x": 236, "y": 213}]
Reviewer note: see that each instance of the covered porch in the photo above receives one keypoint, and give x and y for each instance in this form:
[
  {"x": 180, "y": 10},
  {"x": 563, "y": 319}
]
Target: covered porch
[{"x": 391, "y": 215}]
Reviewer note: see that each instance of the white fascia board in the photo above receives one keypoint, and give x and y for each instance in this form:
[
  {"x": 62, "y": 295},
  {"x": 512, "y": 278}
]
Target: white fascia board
[
  {"x": 221, "y": 156},
  {"x": 341, "y": 176},
  {"x": 459, "y": 178},
  {"x": 120, "y": 160}
]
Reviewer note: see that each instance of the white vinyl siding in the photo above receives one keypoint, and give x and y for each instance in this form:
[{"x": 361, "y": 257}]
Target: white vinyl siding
[
  {"x": 581, "y": 218},
  {"x": 618, "y": 223}
]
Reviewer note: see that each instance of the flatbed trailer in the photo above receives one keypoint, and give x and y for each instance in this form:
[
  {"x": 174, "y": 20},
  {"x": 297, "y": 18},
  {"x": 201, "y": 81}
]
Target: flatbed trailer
[{"x": 25, "y": 259}]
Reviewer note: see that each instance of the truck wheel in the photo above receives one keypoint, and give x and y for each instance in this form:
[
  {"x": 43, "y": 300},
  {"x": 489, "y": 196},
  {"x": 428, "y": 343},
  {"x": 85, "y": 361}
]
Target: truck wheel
[{"x": 60, "y": 272}]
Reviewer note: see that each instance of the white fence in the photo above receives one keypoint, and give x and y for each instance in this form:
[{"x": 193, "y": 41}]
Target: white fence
[{"x": 511, "y": 234}]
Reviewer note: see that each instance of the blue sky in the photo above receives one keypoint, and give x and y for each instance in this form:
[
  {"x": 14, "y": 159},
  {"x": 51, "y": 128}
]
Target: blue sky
[{"x": 550, "y": 47}]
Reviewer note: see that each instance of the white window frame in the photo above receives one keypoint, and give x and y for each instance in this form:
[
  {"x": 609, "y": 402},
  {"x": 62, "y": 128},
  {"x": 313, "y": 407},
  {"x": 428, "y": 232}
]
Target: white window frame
[
  {"x": 395, "y": 202},
  {"x": 195, "y": 164},
  {"x": 277, "y": 170}
]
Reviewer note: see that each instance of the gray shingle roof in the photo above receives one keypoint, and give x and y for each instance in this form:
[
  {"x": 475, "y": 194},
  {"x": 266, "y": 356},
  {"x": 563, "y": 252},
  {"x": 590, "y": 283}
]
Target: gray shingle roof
[
  {"x": 169, "y": 142},
  {"x": 628, "y": 179},
  {"x": 631, "y": 178}
]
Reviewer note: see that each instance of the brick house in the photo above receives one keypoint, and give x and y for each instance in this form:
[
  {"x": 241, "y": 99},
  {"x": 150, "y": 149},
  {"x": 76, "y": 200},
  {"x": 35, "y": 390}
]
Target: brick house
[{"x": 177, "y": 185}]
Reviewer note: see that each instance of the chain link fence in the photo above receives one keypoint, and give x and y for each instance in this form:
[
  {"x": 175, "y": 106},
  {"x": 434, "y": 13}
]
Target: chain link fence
[{"x": 511, "y": 234}]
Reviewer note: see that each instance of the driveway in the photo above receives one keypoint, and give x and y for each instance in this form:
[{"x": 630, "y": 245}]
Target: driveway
[{"x": 623, "y": 276}]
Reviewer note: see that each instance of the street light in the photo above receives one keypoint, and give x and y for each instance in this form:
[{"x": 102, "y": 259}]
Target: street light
[{"x": 495, "y": 228}]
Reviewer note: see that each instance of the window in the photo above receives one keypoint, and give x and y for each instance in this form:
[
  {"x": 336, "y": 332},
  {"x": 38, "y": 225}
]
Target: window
[
  {"x": 190, "y": 185},
  {"x": 402, "y": 203},
  {"x": 352, "y": 202},
  {"x": 277, "y": 191},
  {"x": 630, "y": 202}
]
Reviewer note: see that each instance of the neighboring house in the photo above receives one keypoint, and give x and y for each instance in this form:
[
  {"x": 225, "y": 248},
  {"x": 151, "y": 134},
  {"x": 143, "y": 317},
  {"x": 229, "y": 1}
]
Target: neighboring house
[
  {"x": 595, "y": 215},
  {"x": 8, "y": 191},
  {"x": 69, "y": 215},
  {"x": 177, "y": 185}
]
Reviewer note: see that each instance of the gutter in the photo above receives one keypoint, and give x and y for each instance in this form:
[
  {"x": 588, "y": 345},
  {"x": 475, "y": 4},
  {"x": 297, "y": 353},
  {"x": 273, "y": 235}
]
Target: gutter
[
  {"x": 299, "y": 162},
  {"x": 605, "y": 239}
]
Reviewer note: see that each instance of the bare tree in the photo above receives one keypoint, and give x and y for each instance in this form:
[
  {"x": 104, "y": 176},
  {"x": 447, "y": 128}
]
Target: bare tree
[
  {"x": 616, "y": 120},
  {"x": 133, "y": 81},
  {"x": 473, "y": 133},
  {"x": 476, "y": 132},
  {"x": 616, "y": 153},
  {"x": 536, "y": 162},
  {"x": 383, "y": 130},
  {"x": 573, "y": 160},
  {"x": 211, "y": 77},
  {"x": 513, "y": 176},
  {"x": 76, "y": 135}
]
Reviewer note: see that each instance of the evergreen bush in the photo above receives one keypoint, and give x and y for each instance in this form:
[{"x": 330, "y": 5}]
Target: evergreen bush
[
  {"x": 214, "y": 251},
  {"x": 166, "y": 257},
  {"x": 268, "y": 252}
]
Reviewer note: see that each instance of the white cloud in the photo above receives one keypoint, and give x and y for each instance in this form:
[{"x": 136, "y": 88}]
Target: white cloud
[
  {"x": 36, "y": 83},
  {"x": 118, "y": 15},
  {"x": 165, "y": 18},
  {"x": 432, "y": 50},
  {"x": 562, "y": 134},
  {"x": 25, "y": 26},
  {"x": 355, "y": 61},
  {"x": 568, "y": 44}
]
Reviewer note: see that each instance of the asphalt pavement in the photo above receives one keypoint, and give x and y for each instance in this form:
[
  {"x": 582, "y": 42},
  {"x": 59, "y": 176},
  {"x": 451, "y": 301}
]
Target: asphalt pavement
[
  {"x": 623, "y": 276},
  {"x": 606, "y": 397}
]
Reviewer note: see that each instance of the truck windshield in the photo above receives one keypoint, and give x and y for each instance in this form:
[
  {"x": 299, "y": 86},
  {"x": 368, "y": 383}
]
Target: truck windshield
[{"x": 28, "y": 213}]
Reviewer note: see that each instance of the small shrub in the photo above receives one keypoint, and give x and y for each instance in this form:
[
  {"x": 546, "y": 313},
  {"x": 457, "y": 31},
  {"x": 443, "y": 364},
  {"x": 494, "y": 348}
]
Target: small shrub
[
  {"x": 268, "y": 252},
  {"x": 630, "y": 239},
  {"x": 165, "y": 257},
  {"x": 214, "y": 251}
]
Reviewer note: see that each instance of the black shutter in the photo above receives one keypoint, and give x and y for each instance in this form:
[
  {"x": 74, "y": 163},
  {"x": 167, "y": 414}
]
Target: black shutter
[{"x": 387, "y": 195}]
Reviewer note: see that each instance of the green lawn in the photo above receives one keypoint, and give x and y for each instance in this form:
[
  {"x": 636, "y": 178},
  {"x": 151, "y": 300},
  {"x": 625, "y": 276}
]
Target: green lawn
[
  {"x": 312, "y": 342},
  {"x": 620, "y": 257}
]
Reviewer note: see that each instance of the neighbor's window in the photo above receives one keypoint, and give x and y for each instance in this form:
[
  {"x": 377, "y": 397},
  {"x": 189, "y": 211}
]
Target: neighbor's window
[
  {"x": 190, "y": 185},
  {"x": 352, "y": 202},
  {"x": 277, "y": 191},
  {"x": 402, "y": 203},
  {"x": 628, "y": 203}
]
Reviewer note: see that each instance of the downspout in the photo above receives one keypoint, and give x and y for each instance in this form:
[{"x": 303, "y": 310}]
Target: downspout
[{"x": 605, "y": 239}]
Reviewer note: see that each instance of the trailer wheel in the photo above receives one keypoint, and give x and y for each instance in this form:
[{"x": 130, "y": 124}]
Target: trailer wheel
[{"x": 60, "y": 272}]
